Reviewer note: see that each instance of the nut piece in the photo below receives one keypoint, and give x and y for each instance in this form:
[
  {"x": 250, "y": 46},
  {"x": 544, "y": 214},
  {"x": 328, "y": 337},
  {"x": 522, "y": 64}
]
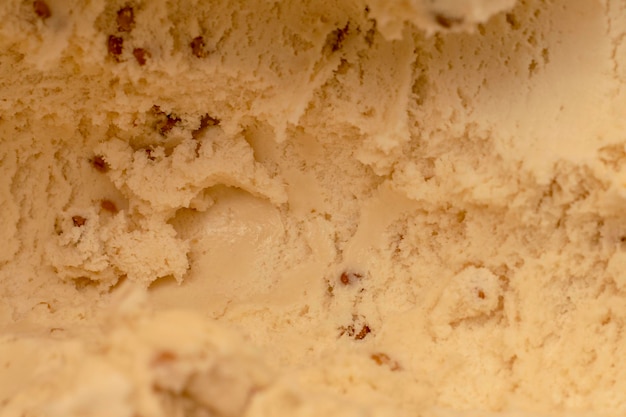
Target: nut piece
[
  {"x": 99, "y": 163},
  {"x": 165, "y": 122},
  {"x": 384, "y": 359},
  {"x": 41, "y": 9},
  {"x": 125, "y": 19},
  {"x": 197, "y": 47},
  {"x": 447, "y": 22},
  {"x": 115, "y": 45},
  {"x": 348, "y": 278},
  {"x": 79, "y": 221},
  {"x": 205, "y": 122},
  {"x": 141, "y": 55},
  {"x": 365, "y": 330},
  {"x": 109, "y": 206}
]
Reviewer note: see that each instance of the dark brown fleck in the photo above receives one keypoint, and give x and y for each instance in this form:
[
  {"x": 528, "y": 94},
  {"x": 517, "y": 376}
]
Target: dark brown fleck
[
  {"x": 384, "y": 359},
  {"x": 141, "y": 55},
  {"x": 109, "y": 206},
  {"x": 347, "y": 278},
  {"x": 447, "y": 21},
  {"x": 365, "y": 330},
  {"x": 205, "y": 122},
  {"x": 167, "y": 125},
  {"x": 197, "y": 47},
  {"x": 99, "y": 164},
  {"x": 347, "y": 330},
  {"x": 165, "y": 122},
  {"x": 115, "y": 46},
  {"x": 125, "y": 19},
  {"x": 164, "y": 357},
  {"x": 481, "y": 294},
  {"x": 149, "y": 154},
  {"x": 41, "y": 9},
  {"x": 339, "y": 36},
  {"x": 79, "y": 221}
]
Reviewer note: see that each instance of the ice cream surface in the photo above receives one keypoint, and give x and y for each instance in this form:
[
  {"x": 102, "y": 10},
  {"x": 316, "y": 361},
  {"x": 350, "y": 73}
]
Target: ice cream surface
[{"x": 305, "y": 208}]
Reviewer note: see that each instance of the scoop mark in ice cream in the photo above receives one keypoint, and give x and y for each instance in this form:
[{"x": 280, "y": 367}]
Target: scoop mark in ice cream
[
  {"x": 78, "y": 221},
  {"x": 115, "y": 45},
  {"x": 125, "y": 19},
  {"x": 81, "y": 283},
  {"x": 41, "y": 9},
  {"x": 100, "y": 164}
]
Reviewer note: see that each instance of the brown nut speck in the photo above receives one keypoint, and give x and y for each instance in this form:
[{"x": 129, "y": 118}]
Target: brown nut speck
[
  {"x": 141, "y": 55},
  {"x": 365, "y": 330},
  {"x": 164, "y": 357},
  {"x": 384, "y": 359},
  {"x": 197, "y": 47},
  {"x": 79, "y": 221},
  {"x": 149, "y": 154},
  {"x": 115, "y": 46},
  {"x": 109, "y": 206},
  {"x": 481, "y": 294},
  {"x": 205, "y": 122},
  {"x": 125, "y": 19},
  {"x": 348, "y": 278},
  {"x": 41, "y": 9},
  {"x": 100, "y": 164},
  {"x": 447, "y": 22}
]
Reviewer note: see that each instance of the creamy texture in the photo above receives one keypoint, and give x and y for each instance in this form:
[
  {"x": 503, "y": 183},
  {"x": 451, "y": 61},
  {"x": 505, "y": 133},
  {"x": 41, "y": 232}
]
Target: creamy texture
[{"x": 308, "y": 208}]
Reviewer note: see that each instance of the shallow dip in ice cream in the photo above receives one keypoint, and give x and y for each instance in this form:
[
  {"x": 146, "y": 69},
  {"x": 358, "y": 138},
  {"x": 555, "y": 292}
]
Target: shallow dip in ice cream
[{"x": 305, "y": 208}]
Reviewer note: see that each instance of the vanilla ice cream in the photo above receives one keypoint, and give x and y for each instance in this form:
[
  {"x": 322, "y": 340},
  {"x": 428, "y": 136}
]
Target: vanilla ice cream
[{"x": 305, "y": 208}]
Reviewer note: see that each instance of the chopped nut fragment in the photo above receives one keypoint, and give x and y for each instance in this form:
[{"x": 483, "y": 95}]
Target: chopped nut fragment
[
  {"x": 41, "y": 9},
  {"x": 349, "y": 330},
  {"x": 336, "y": 38},
  {"x": 125, "y": 19},
  {"x": 347, "y": 278},
  {"x": 165, "y": 122},
  {"x": 149, "y": 154},
  {"x": 109, "y": 206},
  {"x": 197, "y": 47},
  {"x": 447, "y": 22},
  {"x": 205, "y": 122},
  {"x": 141, "y": 55},
  {"x": 99, "y": 163},
  {"x": 164, "y": 357},
  {"x": 384, "y": 359},
  {"x": 168, "y": 124},
  {"x": 79, "y": 221},
  {"x": 365, "y": 330},
  {"x": 115, "y": 45}
]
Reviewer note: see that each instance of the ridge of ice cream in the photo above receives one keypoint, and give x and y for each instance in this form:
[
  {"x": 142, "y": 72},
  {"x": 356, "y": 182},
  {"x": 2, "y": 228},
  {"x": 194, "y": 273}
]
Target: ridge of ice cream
[{"x": 304, "y": 208}]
